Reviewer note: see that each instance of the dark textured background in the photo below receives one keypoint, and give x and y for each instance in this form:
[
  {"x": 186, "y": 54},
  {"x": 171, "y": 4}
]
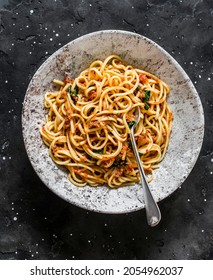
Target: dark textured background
[{"x": 36, "y": 224}]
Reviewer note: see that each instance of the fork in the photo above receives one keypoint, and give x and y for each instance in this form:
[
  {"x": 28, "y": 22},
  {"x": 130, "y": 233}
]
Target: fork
[{"x": 153, "y": 213}]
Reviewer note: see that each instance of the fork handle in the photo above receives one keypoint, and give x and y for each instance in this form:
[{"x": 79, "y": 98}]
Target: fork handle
[{"x": 153, "y": 214}]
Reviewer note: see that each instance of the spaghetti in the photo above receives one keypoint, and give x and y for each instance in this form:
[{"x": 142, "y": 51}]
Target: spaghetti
[{"x": 89, "y": 118}]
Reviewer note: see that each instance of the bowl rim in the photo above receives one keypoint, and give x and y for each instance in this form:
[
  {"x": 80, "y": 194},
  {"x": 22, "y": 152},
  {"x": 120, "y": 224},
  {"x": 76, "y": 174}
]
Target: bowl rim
[{"x": 177, "y": 65}]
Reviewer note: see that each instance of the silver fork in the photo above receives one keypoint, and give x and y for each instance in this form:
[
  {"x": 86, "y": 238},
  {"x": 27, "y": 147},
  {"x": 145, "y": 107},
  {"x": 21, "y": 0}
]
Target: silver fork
[{"x": 153, "y": 214}]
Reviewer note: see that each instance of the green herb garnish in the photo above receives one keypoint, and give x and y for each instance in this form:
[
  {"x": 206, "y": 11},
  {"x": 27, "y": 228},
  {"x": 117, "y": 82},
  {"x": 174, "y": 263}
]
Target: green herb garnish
[
  {"x": 129, "y": 144},
  {"x": 116, "y": 164},
  {"x": 74, "y": 92},
  {"x": 137, "y": 89},
  {"x": 100, "y": 152},
  {"x": 130, "y": 124},
  {"x": 146, "y": 98},
  {"x": 147, "y": 95},
  {"x": 119, "y": 162},
  {"x": 146, "y": 106}
]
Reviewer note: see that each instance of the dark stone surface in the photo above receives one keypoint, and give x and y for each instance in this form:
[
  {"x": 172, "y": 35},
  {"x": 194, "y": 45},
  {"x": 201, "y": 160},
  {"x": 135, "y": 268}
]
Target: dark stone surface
[{"x": 36, "y": 224}]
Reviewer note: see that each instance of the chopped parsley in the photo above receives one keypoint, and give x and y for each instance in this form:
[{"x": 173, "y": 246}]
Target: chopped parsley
[
  {"x": 147, "y": 95},
  {"x": 146, "y": 106},
  {"x": 129, "y": 144},
  {"x": 116, "y": 164},
  {"x": 100, "y": 152},
  {"x": 146, "y": 98},
  {"x": 131, "y": 124},
  {"x": 74, "y": 92},
  {"x": 119, "y": 162},
  {"x": 137, "y": 89}
]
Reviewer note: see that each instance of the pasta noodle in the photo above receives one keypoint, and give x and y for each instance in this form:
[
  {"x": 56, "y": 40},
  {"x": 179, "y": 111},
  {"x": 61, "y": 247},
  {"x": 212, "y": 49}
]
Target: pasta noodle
[{"x": 89, "y": 118}]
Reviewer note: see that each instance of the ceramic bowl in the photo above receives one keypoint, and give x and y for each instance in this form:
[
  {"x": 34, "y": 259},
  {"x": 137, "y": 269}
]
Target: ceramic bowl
[{"x": 141, "y": 52}]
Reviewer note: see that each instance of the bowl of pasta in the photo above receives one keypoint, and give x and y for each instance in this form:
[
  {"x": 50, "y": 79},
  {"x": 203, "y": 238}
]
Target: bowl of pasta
[{"x": 78, "y": 111}]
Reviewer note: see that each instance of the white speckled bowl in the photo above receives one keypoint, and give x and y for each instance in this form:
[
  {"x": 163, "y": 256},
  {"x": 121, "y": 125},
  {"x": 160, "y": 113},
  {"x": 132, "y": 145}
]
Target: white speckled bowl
[{"x": 187, "y": 132}]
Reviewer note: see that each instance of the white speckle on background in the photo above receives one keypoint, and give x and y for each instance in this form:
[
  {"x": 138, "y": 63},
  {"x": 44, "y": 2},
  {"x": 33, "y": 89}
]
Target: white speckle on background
[
  {"x": 5, "y": 145},
  {"x": 209, "y": 79},
  {"x": 51, "y": 39},
  {"x": 31, "y": 12},
  {"x": 15, "y": 219},
  {"x": 188, "y": 200},
  {"x": 211, "y": 159},
  {"x": 6, "y": 81},
  {"x": 56, "y": 34}
]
